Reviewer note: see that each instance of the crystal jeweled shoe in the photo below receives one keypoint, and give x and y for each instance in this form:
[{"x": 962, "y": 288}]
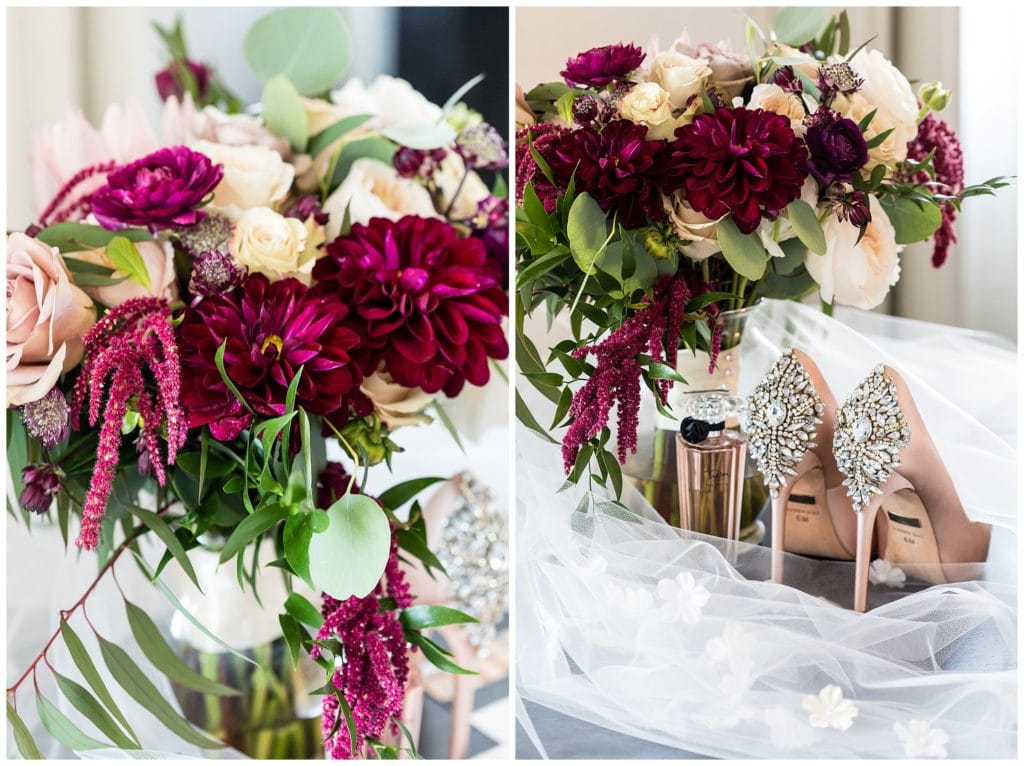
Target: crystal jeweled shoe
[
  {"x": 891, "y": 465},
  {"x": 788, "y": 422}
]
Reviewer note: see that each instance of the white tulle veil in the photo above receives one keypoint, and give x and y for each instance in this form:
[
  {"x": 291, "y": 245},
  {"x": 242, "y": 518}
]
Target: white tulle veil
[{"x": 676, "y": 639}]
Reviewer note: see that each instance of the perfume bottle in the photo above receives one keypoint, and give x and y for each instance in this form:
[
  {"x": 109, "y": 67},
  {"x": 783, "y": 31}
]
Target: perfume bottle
[{"x": 710, "y": 460}]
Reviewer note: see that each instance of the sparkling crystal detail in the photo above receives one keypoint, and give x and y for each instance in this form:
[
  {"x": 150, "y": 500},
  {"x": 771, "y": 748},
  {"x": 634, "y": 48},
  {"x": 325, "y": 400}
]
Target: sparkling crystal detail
[
  {"x": 861, "y": 429},
  {"x": 871, "y": 431},
  {"x": 474, "y": 552},
  {"x": 781, "y": 419}
]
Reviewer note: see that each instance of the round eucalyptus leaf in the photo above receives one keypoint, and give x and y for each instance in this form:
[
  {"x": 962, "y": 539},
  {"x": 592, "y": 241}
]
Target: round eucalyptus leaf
[
  {"x": 348, "y": 558},
  {"x": 310, "y": 46}
]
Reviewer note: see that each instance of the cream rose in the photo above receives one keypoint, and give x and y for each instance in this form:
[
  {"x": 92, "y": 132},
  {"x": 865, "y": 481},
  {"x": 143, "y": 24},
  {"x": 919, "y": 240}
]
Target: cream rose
[
  {"x": 279, "y": 247},
  {"x": 852, "y": 273},
  {"x": 887, "y": 90},
  {"x": 396, "y": 405},
  {"x": 803, "y": 62},
  {"x": 680, "y": 75},
  {"x": 254, "y": 176},
  {"x": 46, "y": 318},
  {"x": 693, "y": 226},
  {"x": 730, "y": 71},
  {"x": 647, "y": 104},
  {"x": 158, "y": 258},
  {"x": 392, "y": 101},
  {"x": 524, "y": 114},
  {"x": 772, "y": 98},
  {"x": 373, "y": 189},
  {"x": 448, "y": 178}
]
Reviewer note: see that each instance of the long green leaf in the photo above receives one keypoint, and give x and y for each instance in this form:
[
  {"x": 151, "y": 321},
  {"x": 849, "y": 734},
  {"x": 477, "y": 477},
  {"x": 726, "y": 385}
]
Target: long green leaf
[
  {"x": 163, "y": 531},
  {"x": 202, "y": 628},
  {"x": 449, "y": 426},
  {"x": 400, "y": 494},
  {"x": 163, "y": 657},
  {"x": 62, "y": 729},
  {"x": 299, "y": 607},
  {"x": 22, "y": 738},
  {"x": 320, "y": 141},
  {"x": 69, "y": 237},
  {"x": 423, "y": 616},
  {"x": 141, "y": 689},
  {"x": 436, "y": 655},
  {"x": 250, "y": 527},
  {"x": 527, "y": 419},
  {"x": 83, "y": 661},
  {"x": 218, "y": 359},
  {"x": 86, "y": 704},
  {"x": 297, "y": 533}
]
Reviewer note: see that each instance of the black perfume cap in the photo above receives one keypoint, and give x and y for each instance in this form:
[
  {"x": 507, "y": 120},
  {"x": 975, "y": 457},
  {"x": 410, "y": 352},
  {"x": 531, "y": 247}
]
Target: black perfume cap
[{"x": 695, "y": 431}]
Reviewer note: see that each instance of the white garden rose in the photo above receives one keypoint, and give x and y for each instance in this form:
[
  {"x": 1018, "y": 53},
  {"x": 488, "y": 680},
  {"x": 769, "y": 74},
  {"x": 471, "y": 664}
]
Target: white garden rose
[
  {"x": 471, "y": 192},
  {"x": 373, "y": 189},
  {"x": 265, "y": 241},
  {"x": 886, "y": 90},
  {"x": 853, "y": 273},
  {"x": 392, "y": 101},
  {"x": 396, "y": 405},
  {"x": 647, "y": 104},
  {"x": 254, "y": 176},
  {"x": 680, "y": 75}
]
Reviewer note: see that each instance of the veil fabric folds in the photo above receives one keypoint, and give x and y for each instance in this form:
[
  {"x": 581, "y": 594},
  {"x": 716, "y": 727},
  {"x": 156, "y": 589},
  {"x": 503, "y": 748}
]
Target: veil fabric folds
[{"x": 678, "y": 639}]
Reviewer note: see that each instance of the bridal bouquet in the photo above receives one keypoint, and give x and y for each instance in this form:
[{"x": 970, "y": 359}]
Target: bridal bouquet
[
  {"x": 196, "y": 311},
  {"x": 656, "y": 189}
]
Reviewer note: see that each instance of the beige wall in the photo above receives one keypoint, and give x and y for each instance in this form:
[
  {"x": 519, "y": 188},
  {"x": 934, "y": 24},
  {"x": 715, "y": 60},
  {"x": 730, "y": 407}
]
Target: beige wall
[{"x": 978, "y": 286}]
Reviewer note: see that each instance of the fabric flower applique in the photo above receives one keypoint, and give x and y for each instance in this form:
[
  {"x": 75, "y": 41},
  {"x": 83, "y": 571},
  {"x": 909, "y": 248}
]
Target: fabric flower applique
[
  {"x": 734, "y": 648},
  {"x": 684, "y": 598},
  {"x": 786, "y": 731},
  {"x": 884, "y": 573},
  {"x": 625, "y": 603},
  {"x": 828, "y": 710},
  {"x": 920, "y": 740}
]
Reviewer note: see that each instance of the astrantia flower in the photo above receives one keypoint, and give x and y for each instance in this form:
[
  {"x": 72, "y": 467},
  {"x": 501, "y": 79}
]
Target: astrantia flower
[
  {"x": 271, "y": 330},
  {"x": 618, "y": 167},
  {"x": 211, "y": 233},
  {"x": 42, "y": 483},
  {"x": 837, "y": 147},
  {"x": 214, "y": 272},
  {"x": 428, "y": 302},
  {"x": 597, "y": 67},
  {"x": 739, "y": 162},
  {"x": 411, "y": 163},
  {"x": 161, "y": 190},
  {"x": 46, "y": 419},
  {"x": 482, "y": 147}
]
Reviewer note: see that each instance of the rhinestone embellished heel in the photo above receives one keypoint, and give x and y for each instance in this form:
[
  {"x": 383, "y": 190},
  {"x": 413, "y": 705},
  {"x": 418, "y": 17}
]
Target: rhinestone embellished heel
[
  {"x": 921, "y": 524},
  {"x": 788, "y": 421}
]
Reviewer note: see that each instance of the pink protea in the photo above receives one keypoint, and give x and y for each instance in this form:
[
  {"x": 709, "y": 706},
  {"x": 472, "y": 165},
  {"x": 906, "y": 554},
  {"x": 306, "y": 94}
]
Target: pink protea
[{"x": 133, "y": 346}]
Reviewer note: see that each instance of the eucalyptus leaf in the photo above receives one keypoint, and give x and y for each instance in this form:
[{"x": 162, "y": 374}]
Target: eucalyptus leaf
[
  {"x": 805, "y": 223},
  {"x": 22, "y": 737},
  {"x": 86, "y": 704},
  {"x": 798, "y": 25},
  {"x": 62, "y": 728},
  {"x": 348, "y": 558},
  {"x": 744, "y": 252},
  {"x": 284, "y": 113},
  {"x": 163, "y": 531},
  {"x": 311, "y": 46},
  {"x": 131, "y": 678},
  {"x": 462, "y": 90},
  {"x": 155, "y": 647},
  {"x": 372, "y": 147},
  {"x": 587, "y": 231}
]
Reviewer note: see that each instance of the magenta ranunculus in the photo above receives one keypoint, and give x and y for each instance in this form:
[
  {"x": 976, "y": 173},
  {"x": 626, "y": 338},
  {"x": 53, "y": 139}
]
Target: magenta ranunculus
[
  {"x": 837, "y": 146},
  {"x": 597, "y": 67},
  {"x": 271, "y": 329},
  {"x": 170, "y": 81},
  {"x": 740, "y": 162},
  {"x": 428, "y": 302},
  {"x": 162, "y": 190},
  {"x": 617, "y": 166}
]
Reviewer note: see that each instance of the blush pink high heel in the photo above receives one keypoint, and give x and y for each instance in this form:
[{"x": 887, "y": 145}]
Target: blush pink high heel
[
  {"x": 788, "y": 421},
  {"x": 895, "y": 476}
]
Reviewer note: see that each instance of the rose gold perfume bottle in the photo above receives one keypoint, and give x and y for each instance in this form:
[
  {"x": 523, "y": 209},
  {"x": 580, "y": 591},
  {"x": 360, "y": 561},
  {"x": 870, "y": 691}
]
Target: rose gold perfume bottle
[{"x": 710, "y": 460}]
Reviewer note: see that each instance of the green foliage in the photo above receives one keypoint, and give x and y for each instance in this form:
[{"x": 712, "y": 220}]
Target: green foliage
[
  {"x": 22, "y": 737},
  {"x": 330, "y": 134},
  {"x": 125, "y": 257},
  {"x": 284, "y": 113},
  {"x": 914, "y": 216},
  {"x": 798, "y": 25},
  {"x": 71, "y": 237},
  {"x": 421, "y": 136},
  {"x": 348, "y": 558},
  {"x": 744, "y": 252},
  {"x": 806, "y": 225},
  {"x": 372, "y": 147},
  {"x": 310, "y": 46}
]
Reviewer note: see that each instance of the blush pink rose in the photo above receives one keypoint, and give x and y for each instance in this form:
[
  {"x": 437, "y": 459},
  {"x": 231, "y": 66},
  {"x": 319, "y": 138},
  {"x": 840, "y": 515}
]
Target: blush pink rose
[{"x": 46, "y": 319}]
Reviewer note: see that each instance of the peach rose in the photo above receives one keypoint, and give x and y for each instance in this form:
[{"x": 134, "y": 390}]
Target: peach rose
[
  {"x": 396, "y": 405},
  {"x": 46, "y": 319}
]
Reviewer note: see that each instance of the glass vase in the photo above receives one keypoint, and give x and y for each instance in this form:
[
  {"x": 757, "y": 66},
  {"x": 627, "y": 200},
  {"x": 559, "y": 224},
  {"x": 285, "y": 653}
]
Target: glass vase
[{"x": 653, "y": 469}]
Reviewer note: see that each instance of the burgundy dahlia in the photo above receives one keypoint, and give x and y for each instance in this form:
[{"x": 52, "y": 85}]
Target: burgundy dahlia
[
  {"x": 161, "y": 190},
  {"x": 271, "y": 330},
  {"x": 837, "y": 147},
  {"x": 597, "y": 67},
  {"x": 740, "y": 162},
  {"x": 617, "y": 166},
  {"x": 170, "y": 81},
  {"x": 428, "y": 303}
]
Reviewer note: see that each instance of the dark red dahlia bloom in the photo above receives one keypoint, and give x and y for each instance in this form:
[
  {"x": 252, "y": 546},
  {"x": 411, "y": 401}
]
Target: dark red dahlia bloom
[
  {"x": 170, "y": 81},
  {"x": 742, "y": 162},
  {"x": 271, "y": 329},
  {"x": 618, "y": 167},
  {"x": 597, "y": 67},
  {"x": 162, "y": 190},
  {"x": 428, "y": 302}
]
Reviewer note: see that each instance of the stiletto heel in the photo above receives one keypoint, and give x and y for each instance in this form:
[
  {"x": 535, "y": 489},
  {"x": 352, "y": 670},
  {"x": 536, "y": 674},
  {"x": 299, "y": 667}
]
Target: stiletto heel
[
  {"x": 788, "y": 421},
  {"x": 922, "y": 525}
]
